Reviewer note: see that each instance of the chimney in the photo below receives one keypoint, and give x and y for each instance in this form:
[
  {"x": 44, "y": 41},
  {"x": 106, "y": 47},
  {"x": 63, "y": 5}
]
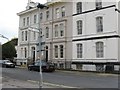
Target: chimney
[{"x": 30, "y": 4}]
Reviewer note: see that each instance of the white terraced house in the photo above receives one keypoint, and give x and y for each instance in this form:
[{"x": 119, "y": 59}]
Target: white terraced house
[
  {"x": 96, "y": 36},
  {"x": 56, "y": 27},
  {"x": 78, "y": 35}
]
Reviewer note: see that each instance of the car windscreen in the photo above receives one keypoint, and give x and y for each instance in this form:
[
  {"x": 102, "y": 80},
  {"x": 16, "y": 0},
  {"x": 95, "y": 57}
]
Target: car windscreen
[
  {"x": 7, "y": 61},
  {"x": 42, "y": 63}
]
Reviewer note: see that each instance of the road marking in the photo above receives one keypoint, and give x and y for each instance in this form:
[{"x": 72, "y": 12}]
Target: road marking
[
  {"x": 57, "y": 85},
  {"x": 108, "y": 74},
  {"x": 51, "y": 84},
  {"x": 32, "y": 81}
]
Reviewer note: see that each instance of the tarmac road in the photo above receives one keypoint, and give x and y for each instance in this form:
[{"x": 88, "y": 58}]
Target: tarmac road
[{"x": 65, "y": 79}]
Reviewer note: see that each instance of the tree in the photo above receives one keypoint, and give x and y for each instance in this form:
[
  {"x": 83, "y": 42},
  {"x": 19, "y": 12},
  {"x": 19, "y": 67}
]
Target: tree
[{"x": 8, "y": 49}]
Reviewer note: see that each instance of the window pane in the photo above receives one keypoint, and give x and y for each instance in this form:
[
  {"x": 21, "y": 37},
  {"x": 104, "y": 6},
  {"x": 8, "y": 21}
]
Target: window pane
[
  {"x": 99, "y": 50},
  {"x": 56, "y": 30},
  {"x": 63, "y": 11},
  {"x": 47, "y": 15},
  {"x": 22, "y": 35},
  {"x": 56, "y": 51},
  {"x": 47, "y": 32},
  {"x": 61, "y": 51},
  {"x": 79, "y": 27},
  {"x": 27, "y": 20},
  {"x": 79, "y": 50},
  {"x": 23, "y": 21},
  {"x": 99, "y": 24},
  {"x": 34, "y": 35},
  {"x": 26, "y": 35},
  {"x": 79, "y": 7},
  {"x": 35, "y": 18},
  {"x": 25, "y": 52},
  {"x": 41, "y": 15},
  {"x": 62, "y": 29},
  {"x": 57, "y": 13}
]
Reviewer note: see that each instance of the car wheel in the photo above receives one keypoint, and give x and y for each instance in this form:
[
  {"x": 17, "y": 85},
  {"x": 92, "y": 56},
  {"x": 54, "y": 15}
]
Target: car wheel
[
  {"x": 29, "y": 68},
  {"x": 5, "y": 66}
]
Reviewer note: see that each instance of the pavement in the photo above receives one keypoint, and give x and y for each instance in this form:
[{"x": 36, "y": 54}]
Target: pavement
[
  {"x": 14, "y": 83},
  {"x": 7, "y": 82}
]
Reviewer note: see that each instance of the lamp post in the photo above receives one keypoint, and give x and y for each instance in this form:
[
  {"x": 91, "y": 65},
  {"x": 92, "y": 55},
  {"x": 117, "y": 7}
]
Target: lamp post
[
  {"x": 40, "y": 6},
  {"x": 4, "y": 37}
]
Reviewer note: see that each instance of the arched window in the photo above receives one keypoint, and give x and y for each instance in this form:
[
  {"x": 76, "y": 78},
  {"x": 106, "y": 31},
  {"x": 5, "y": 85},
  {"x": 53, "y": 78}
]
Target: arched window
[{"x": 99, "y": 49}]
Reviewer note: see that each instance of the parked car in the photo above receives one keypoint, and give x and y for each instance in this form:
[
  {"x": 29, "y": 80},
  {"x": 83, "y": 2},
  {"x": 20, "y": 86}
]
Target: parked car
[
  {"x": 8, "y": 64},
  {"x": 45, "y": 66}
]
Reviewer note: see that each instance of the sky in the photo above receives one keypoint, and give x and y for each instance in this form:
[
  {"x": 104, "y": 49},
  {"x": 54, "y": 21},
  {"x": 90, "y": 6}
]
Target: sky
[{"x": 9, "y": 21}]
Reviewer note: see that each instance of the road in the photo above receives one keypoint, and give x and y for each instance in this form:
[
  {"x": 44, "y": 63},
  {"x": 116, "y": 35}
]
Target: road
[{"x": 64, "y": 78}]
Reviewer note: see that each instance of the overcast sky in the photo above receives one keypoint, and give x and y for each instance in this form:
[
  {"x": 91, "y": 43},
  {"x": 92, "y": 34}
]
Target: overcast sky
[{"x": 9, "y": 21}]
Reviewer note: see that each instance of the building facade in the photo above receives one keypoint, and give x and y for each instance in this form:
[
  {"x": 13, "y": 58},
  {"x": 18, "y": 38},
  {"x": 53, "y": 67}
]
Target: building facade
[
  {"x": 96, "y": 36},
  {"x": 27, "y": 38},
  {"x": 77, "y": 34},
  {"x": 55, "y": 23}
]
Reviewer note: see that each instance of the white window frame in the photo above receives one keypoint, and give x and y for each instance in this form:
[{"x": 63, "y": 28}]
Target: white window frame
[
  {"x": 79, "y": 27},
  {"x": 28, "y": 20},
  {"x": 56, "y": 30},
  {"x": 34, "y": 35},
  {"x": 25, "y": 49},
  {"x": 21, "y": 52},
  {"x": 99, "y": 49},
  {"x": 79, "y": 7},
  {"x": 99, "y": 24},
  {"x": 23, "y": 21},
  {"x": 79, "y": 50},
  {"x": 26, "y": 35},
  {"x": 56, "y": 51},
  {"x": 47, "y": 32},
  {"x": 57, "y": 13},
  {"x": 63, "y": 11},
  {"x": 61, "y": 51},
  {"x": 22, "y": 36},
  {"x": 61, "y": 30},
  {"x": 41, "y": 16},
  {"x": 47, "y": 15},
  {"x": 35, "y": 19}
]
